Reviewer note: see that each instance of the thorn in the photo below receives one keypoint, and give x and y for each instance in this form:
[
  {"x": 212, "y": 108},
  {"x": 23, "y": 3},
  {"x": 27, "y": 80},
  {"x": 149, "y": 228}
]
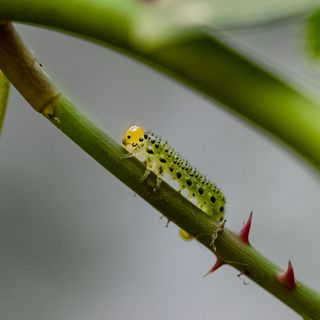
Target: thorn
[
  {"x": 245, "y": 231},
  {"x": 168, "y": 221},
  {"x": 215, "y": 267},
  {"x": 287, "y": 278},
  {"x": 244, "y": 282}
]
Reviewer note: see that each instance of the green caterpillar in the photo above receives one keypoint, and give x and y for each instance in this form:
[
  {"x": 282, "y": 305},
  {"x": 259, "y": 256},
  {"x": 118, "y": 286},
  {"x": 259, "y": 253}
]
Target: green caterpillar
[{"x": 163, "y": 159}]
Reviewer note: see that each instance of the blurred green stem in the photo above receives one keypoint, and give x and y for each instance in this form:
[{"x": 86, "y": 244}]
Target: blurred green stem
[
  {"x": 313, "y": 35},
  {"x": 27, "y": 75},
  {"x": 194, "y": 57}
]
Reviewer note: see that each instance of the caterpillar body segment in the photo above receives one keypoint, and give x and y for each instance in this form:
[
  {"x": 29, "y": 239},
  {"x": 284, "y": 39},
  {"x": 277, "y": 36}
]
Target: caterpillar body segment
[{"x": 162, "y": 159}]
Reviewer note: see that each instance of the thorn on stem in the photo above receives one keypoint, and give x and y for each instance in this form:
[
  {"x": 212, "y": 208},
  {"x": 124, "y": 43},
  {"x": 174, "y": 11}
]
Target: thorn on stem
[
  {"x": 244, "y": 282},
  {"x": 215, "y": 267},
  {"x": 245, "y": 231},
  {"x": 287, "y": 278}
]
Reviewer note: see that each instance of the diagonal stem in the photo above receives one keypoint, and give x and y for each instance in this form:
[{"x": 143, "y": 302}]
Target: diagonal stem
[{"x": 22, "y": 69}]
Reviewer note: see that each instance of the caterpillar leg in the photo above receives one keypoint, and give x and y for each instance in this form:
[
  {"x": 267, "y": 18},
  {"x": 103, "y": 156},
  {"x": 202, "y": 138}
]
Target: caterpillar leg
[
  {"x": 127, "y": 156},
  {"x": 132, "y": 152},
  {"x": 158, "y": 184},
  {"x": 160, "y": 173},
  {"x": 150, "y": 166},
  {"x": 145, "y": 175}
]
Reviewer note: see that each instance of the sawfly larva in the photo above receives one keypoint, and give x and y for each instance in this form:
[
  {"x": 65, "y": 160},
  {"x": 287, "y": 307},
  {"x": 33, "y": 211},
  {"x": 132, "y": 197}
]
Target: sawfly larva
[{"x": 163, "y": 159}]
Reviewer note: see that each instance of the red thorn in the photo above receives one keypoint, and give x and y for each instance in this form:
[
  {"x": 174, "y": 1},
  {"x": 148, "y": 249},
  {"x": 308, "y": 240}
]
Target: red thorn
[
  {"x": 245, "y": 231},
  {"x": 287, "y": 278},
  {"x": 215, "y": 267}
]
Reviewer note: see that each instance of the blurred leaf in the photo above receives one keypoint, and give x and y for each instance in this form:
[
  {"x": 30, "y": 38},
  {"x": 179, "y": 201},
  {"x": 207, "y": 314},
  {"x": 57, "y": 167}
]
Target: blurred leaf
[
  {"x": 203, "y": 62},
  {"x": 313, "y": 34},
  {"x": 4, "y": 93},
  {"x": 164, "y": 19}
]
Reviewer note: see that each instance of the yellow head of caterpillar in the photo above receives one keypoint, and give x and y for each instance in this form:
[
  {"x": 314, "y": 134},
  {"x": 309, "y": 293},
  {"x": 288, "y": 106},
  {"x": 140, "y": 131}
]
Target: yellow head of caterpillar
[{"x": 132, "y": 137}]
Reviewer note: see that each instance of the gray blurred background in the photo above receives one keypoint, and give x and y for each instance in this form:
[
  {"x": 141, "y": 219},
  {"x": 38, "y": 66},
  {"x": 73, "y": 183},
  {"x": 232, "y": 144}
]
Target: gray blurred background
[{"x": 76, "y": 244}]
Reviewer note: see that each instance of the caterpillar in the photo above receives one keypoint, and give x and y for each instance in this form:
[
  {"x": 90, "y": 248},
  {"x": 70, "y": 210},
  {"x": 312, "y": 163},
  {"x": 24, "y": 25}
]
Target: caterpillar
[{"x": 162, "y": 159}]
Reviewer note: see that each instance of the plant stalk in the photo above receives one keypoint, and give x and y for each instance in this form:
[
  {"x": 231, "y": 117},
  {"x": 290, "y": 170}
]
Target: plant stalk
[
  {"x": 192, "y": 56},
  {"x": 20, "y": 66}
]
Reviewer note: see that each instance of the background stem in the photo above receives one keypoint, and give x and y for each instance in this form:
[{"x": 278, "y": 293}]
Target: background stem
[{"x": 193, "y": 57}]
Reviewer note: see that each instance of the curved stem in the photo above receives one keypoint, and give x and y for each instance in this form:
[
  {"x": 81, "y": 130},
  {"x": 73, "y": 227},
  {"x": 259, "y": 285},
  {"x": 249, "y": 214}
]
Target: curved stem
[
  {"x": 66, "y": 117},
  {"x": 312, "y": 35},
  {"x": 193, "y": 57}
]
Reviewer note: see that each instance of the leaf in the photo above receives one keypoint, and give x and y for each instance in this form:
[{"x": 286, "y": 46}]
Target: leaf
[
  {"x": 166, "y": 20},
  {"x": 313, "y": 36},
  {"x": 235, "y": 13}
]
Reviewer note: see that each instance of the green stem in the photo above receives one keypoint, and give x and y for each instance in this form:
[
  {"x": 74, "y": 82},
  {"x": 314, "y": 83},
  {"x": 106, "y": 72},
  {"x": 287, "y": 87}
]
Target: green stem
[
  {"x": 193, "y": 57},
  {"x": 18, "y": 63},
  {"x": 312, "y": 35},
  {"x": 4, "y": 94}
]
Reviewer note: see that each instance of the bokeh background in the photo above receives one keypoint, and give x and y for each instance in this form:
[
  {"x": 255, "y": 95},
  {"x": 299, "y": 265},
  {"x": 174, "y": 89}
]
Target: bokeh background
[{"x": 77, "y": 244}]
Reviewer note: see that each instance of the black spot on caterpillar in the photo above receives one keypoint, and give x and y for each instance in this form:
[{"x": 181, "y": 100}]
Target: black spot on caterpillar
[{"x": 163, "y": 159}]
